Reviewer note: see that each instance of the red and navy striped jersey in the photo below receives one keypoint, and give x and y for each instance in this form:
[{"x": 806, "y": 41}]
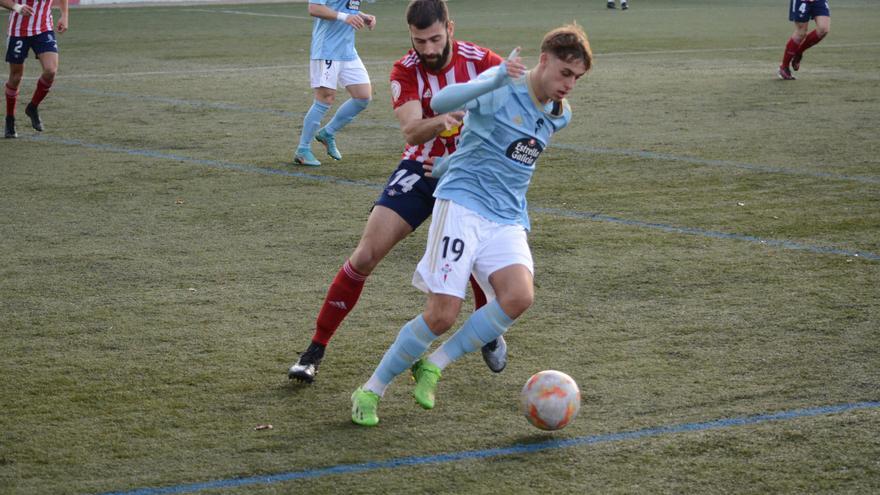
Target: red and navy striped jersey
[
  {"x": 410, "y": 80},
  {"x": 40, "y": 22}
]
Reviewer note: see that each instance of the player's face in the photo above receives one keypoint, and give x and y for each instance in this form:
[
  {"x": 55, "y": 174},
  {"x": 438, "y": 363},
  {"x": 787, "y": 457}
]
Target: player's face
[
  {"x": 558, "y": 77},
  {"x": 433, "y": 44}
]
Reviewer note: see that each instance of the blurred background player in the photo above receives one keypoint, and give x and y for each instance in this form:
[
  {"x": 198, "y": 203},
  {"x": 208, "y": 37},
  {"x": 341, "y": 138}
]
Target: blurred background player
[
  {"x": 623, "y": 5},
  {"x": 435, "y": 61},
  {"x": 31, "y": 28},
  {"x": 334, "y": 61},
  {"x": 800, "y": 13},
  {"x": 480, "y": 220}
]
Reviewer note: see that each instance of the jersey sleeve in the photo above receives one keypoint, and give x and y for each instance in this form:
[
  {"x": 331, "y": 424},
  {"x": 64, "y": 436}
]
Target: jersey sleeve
[
  {"x": 490, "y": 60},
  {"x": 489, "y": 102},
  {"x": 404, "y": 87}
]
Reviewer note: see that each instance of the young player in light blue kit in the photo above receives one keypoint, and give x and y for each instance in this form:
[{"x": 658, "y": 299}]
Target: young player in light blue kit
[
  {"x": 334, "y": 62},
  {"x": 480, "y": 220}
]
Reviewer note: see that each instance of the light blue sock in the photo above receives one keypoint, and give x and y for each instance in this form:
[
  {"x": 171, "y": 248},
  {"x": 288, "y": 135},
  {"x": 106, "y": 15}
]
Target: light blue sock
[
  {"x": 311, "y": 123},
  {"x": 346, "y": 113},
  {"x": 484, "y": 326},
  {"x": 412, "y": 341}
]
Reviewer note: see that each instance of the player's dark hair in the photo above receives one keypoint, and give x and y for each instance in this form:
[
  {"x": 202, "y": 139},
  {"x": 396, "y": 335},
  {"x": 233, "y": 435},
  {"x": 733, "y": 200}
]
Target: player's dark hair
[
  {"x": 569, "y": 43},
  {"x": 424, "y": 13}
]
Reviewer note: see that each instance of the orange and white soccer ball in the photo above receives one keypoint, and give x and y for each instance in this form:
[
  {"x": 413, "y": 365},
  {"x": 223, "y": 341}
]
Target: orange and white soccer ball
[{"x": 550, "y": 400}]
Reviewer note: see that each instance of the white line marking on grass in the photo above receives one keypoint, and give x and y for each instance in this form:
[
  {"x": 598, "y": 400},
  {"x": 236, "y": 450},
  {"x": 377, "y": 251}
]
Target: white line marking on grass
[
  {"x": 212, "y": 70},
  {"x": 516, "y": 449},
  {"x": 248, "y": 168},
  {"x": 241, "y": 12}
]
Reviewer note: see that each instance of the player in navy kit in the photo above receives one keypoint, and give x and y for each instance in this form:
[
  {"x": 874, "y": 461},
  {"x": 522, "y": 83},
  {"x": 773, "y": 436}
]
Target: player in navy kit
[
  {"x": 480, "y": 220},
  {"x": 800, "y": 12},
  {"x": 334, "y": 61}
]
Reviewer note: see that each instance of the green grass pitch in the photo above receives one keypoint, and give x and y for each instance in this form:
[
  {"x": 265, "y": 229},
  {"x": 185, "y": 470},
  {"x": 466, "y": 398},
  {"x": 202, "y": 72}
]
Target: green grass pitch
[{"x": 706, "y": 240}]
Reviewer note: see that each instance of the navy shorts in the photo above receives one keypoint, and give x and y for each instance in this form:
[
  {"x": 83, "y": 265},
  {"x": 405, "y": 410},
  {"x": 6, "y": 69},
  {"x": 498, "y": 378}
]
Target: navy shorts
[
  {"x": 409, "y": 193},
  {"x": 803, "y": 11},
  {"x": 18, "y": 46}
]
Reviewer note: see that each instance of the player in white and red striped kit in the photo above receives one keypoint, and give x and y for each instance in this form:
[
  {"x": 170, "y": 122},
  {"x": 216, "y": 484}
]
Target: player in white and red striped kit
[
  {"x": 32, "y": 32},
  {"x": 408, "y": 198}
]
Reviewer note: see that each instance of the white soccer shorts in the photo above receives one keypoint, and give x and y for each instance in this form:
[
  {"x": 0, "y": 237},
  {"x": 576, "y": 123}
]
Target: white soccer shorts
[
  {"x": 334, "y": 73},
  {"x": 461, "y": 242}
]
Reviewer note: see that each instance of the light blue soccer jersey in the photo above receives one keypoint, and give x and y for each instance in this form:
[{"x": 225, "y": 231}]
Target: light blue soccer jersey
[
  {"x": 334, "y": 40},
  {"x": 504, "y": 133}
]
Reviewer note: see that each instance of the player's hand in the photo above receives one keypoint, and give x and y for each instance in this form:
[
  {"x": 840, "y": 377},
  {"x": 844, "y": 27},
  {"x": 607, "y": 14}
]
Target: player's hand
[
  {"x": 514, "y": 65},
  {"x": 355, "y": 21},
  {"x": 62, "y": 24},
  {"x": 452, "y": 120},
  {"x": 428, "y": 166},
  {"x": 26, "y": 10},
  {"x": 369, "y": 20}
]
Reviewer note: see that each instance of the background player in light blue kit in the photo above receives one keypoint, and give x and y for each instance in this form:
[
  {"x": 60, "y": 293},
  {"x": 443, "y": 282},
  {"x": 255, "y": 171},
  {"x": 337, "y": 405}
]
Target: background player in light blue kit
[
  {"x": 334, "y": 61},
  {"x": 479, "y": 224}
]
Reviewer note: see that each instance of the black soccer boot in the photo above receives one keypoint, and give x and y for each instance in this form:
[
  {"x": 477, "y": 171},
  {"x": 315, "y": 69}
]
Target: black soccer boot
[
  {"x": 31, "y": 111},
  {"x": 306, "y": 367},
  {"x": 10, "y": 127}
]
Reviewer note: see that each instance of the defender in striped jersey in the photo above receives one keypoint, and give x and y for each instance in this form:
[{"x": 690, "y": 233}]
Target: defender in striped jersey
[
  {"x": 408, "y": 198},
  {"x": 32, "y": 32}
]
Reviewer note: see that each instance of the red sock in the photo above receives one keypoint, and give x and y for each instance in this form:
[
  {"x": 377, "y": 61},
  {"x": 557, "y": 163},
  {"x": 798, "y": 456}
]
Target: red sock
[
  {"x": 342, "y": 295},
  {"x": 810, "y": 40},
  {"x": 11, "y": 97},
  {"x": 41, "y": 91},
  {"x": 479, "y": 295},
  {"x": 791, "y": 49}
]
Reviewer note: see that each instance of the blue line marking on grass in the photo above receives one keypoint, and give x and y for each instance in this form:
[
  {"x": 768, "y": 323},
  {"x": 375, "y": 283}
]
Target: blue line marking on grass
[
  {"x": 503, "y": 451},
  {"x": 651, "y": 155},
  {"x": 377, "y": 187}
]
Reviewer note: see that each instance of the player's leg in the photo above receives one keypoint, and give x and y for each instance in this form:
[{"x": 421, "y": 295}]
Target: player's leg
[
  {"x": 384, "y": 229},
  {"x": 16, "y": 71},
  {"x": 404, "y": 204},
  {"x": 800, "y": 16},
  {"x": 323, "y": 75},
  {"x": 16, "y": 52},
  {"x": 500, "y": 259},
  {"x": 354, "y": 77},
  {"x": 46, "y": 48},
  {"x": 611, "y": 5},
  {"x": 823, "y": 27},
  {"x": 623, "y": 5}
]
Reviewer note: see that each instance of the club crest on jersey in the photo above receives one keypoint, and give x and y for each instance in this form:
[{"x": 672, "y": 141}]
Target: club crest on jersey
[
  {"x": 525, "y": 151},
  {"x": 395, "y": 90},
  {"x": 354, "y": 4}
]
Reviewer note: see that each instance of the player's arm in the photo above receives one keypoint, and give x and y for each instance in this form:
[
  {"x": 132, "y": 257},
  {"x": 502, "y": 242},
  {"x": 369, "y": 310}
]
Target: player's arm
[
  {"x": 64, "y": 22},
  {"x": 18, "y": 8},
  {"x": 456, "y": 96},
  {"x": 356, "y": 21},
  {"x": 417, "y": 130}
]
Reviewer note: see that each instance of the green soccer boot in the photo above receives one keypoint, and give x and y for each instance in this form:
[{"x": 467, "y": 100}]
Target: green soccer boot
[
  {"x": 426, "y": 376},
  {"x": 363, "y": 407}
]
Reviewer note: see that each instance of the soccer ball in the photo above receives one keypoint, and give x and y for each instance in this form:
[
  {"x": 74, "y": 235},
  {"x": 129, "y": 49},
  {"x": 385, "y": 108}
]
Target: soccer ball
[{"x": 550, "y": 400}]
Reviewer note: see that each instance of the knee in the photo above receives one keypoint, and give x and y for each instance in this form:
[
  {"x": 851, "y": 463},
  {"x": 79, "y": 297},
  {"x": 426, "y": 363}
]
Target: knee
[
  {"x": 439, "y": 321},
  {"x": 364, "y": 260},
  {"x": 362, "y": 102},
  {"x": 516, "y": 303},
  {"x": 823, "y": 31},
  {"x": 49, "y": 75}
]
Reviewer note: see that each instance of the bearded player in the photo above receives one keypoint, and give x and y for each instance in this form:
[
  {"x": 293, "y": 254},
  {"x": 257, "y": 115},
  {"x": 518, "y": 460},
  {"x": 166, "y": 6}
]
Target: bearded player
[{"x": 408, "y": 198}]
